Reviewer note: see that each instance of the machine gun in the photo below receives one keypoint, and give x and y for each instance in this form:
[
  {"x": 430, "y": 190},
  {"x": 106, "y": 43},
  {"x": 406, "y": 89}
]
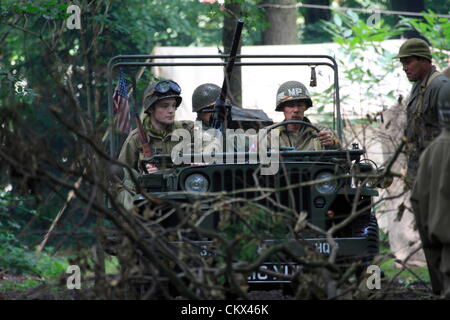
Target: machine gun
[{"x": 221, "y": 108}]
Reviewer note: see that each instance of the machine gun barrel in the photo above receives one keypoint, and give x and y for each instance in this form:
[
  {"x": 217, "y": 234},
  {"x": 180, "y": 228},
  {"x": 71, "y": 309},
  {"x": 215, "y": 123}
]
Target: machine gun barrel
[{"x": 218, "y": 117}]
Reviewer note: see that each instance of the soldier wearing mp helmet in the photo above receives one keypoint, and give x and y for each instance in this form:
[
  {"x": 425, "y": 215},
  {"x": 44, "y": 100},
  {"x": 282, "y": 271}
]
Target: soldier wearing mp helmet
[{"x": 293, "y": 100}]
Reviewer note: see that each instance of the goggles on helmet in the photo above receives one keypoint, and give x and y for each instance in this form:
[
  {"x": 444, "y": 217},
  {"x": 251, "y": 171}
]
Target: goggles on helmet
[
  {"x": 163, "y": 87},
  {"x": 166, "y": 86}
]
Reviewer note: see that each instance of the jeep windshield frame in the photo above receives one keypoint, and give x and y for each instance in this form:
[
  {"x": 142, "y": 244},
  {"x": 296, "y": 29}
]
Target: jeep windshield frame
[{"x": 152, "y": 61}]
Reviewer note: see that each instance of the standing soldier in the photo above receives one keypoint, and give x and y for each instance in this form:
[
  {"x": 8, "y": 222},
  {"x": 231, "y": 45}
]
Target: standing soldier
[
  {"x": 422, "y": 120},
  {"x": 293, "y": 100},
  {"x": 430, "y": 200}
]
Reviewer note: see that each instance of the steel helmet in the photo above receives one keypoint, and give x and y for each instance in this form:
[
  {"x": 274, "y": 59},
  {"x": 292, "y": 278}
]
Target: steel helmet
[
  {"x": 204, "y": 95},
  {"x": 414, "y": 47},
  {"x": 161, "y": 90},
  {"x": 292, "y": 90}
]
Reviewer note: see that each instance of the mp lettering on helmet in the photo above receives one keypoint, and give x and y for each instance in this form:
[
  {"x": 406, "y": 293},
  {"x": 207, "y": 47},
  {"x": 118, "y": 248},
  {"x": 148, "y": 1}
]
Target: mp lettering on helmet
[{"x": 295, "y": 91}]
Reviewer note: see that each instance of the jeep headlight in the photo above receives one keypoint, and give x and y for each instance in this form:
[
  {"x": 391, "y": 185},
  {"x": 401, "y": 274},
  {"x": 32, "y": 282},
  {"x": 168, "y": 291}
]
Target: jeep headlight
[
  {"x": 326, "y": 187},
  {"x": 196, "y": 182}
]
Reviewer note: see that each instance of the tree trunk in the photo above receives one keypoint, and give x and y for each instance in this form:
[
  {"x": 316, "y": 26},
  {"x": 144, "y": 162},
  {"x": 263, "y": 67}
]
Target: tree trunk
[
  {"x": 410, "y": 6},
  {"x": 313, "y": 17},
  {"x": 282, "y": 28},
  {"x": 229, "y": 26}
]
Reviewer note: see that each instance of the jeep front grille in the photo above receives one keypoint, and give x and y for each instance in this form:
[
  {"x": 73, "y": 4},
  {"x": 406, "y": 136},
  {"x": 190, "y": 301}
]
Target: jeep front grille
[{"x": 288, "y": 179}]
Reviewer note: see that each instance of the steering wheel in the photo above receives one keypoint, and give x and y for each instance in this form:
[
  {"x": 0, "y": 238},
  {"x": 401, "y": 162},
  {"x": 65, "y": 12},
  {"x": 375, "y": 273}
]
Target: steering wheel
[{"x": 285, "y": 123}]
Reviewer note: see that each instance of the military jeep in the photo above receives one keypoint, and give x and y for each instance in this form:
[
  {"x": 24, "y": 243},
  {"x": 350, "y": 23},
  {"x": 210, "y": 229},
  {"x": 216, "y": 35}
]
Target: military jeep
[{"x": 312, "y": 192}]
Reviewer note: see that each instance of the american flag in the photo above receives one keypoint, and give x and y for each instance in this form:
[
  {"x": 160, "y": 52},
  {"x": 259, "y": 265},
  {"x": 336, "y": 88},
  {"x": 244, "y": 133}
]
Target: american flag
[{"x": 121, "y": 106}]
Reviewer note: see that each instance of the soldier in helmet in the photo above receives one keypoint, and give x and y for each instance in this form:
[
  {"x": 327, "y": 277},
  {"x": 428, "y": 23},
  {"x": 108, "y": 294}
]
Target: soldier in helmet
[
  {"x": 430, "y": 200},
  {"x": 204, "y": 97},
  {"x": 422, "y": 120},
  {"x": 293, "y": 100},
  {"x": 160, "y": 102}
]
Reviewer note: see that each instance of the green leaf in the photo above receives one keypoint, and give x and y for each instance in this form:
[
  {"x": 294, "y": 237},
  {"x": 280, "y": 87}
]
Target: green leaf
[
  {"x": 353, "y": 16},
  {"x": 337, "y": 20},
  {"x": 429, "y": 19},
  {"x": 423, "y": 26},
  {"x": 347, "y": 33}
]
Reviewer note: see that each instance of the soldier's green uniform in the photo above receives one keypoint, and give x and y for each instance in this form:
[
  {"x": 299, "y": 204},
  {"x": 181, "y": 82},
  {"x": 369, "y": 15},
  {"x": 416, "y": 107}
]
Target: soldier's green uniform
[
  {"x": 422, "y": 121},
  {"x": 430, "y": 199},
  {"x": 160, "y": 141},
  {"x": 422, "y": 116},
  {"x": 306, "y": 138}
]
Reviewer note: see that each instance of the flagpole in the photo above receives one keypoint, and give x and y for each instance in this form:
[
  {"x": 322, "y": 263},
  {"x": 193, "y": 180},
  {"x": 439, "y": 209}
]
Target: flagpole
[
  {"x": 133, "y": 88},
  {"x": 110, "y": 115}
]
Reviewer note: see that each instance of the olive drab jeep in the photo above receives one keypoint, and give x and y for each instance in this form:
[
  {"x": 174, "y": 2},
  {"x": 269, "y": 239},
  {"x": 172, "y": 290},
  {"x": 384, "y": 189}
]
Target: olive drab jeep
[{"x": 310, "y": 193}]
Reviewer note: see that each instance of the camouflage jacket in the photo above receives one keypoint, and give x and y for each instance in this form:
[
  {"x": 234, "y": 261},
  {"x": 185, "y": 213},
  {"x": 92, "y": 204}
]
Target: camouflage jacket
[
  {"x": 304, "y": 139},
  {"x": 160, "y": 142},
  {"x": 430, "y": 196},
  {"x": 422, "y": 119}
]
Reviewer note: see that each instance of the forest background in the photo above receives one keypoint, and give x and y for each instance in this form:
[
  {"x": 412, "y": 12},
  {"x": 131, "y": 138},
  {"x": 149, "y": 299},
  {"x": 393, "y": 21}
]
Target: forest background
[{"x": 53, "y": 90}]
